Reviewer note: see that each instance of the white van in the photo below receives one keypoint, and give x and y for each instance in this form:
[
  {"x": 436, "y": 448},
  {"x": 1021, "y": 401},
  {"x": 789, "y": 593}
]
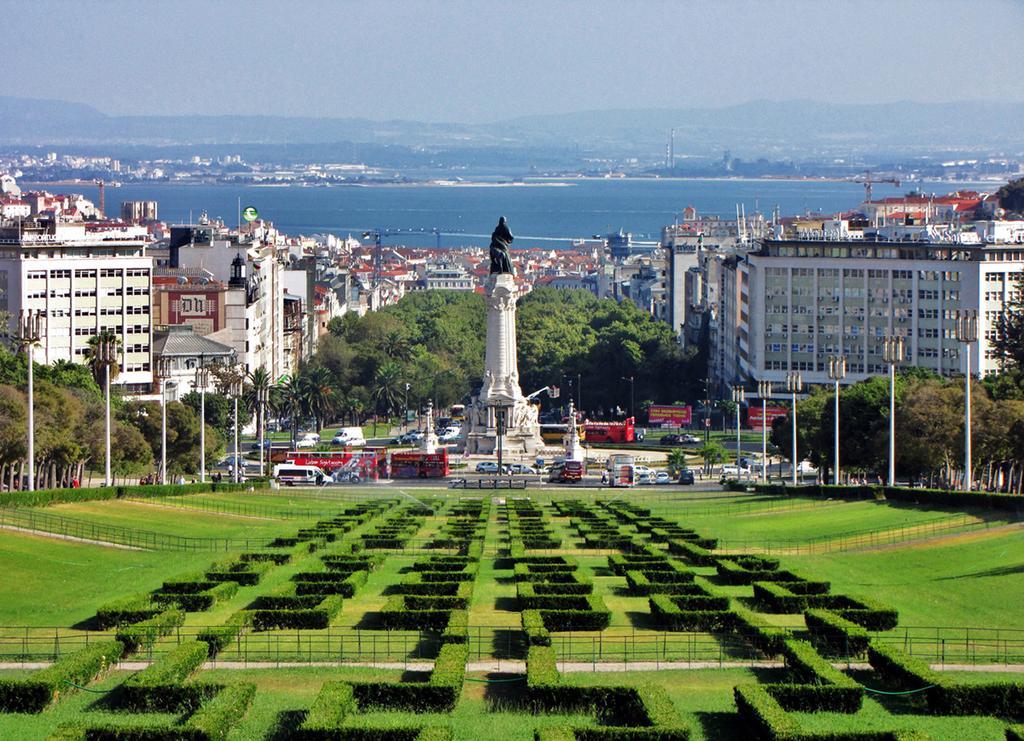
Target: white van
[
  {"x": 291, "y": 474},
  {"x": 351, "y": 437}
]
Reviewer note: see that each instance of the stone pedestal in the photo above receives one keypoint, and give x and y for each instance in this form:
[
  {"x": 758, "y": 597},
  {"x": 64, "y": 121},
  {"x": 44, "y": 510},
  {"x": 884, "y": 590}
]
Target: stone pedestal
[
  {"x": 573, "y": 446},
  {"x": 428, "y": 443},
  {"x": 500, "y": 390}
]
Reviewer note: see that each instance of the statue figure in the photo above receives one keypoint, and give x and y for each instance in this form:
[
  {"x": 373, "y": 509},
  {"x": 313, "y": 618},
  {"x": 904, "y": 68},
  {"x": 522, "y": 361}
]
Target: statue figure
[{"x": 501, "y": 239}]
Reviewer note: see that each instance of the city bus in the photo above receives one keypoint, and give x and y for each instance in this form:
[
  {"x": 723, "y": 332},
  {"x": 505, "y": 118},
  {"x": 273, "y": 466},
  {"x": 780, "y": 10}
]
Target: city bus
[
  {"x": 611, "y": 432},
  {"x": 554, "y": 434}
]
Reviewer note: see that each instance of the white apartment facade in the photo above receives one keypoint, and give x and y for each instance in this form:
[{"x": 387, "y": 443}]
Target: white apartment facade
[
  {"x": 81, "y": 280},
  {"x": 801, "y": 301}
]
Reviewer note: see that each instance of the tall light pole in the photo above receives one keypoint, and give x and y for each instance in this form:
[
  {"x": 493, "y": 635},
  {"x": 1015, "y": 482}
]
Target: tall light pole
[
  {"x": 794, "y": 385},
  {"x": 764, "y": 390},
  {"x": 892, "y": 354},
  {"x": 632, "y": 413},
  {"x": 30, "y": 331},
  {"x": 405, "y": 421},
  {"x": 738, "y": 397},
  {"x": 262, "y": 399},
  {"x": 235, "y": 389},
  {"x": 163, "y": 365},
  {"x": 837, "y": 372},
  {"x": 107, "y": 351},
  {"x": 201, "y": 382},
  {"x": 967, "y": 332}
]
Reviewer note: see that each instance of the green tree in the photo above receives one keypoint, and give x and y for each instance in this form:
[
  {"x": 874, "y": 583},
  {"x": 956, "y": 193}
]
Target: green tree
[
  {"x": 676, "y": 461},
  {"x": 182, "y": 433},
  {"x": 1011, "y": 195},
  {"x": 94, "y": 359},
  {"x": 712, "y": 454},
  {"x": 388, "y": 386},
  {"x": 319, "y": 399},
  {"x": 13, "y": 433},
  {"x": 1009, "y": 340}
]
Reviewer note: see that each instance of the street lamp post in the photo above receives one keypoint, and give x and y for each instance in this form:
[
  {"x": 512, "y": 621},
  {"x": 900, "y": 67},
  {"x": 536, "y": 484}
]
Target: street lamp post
[
  {"x": 794, "y": 385},
  {"x": 738, "y": 397},
  {"x": 163, "y": 370},
  {"x": 107, "y": 350},
  {"x": 405, "y": 421},
  {"x": 201, "y": 382},
  {"x": 967, "y": 332},
  {"x": 235, "y": 389},
  {"x": 892, "y": 354},
  {"x": 837, "y": 372},
  {"x": 30, "y": 331},
  {"x": 262, "y": 399},
  {"x": 632, "y": 413},
  {"x": 764, "y": 390}
]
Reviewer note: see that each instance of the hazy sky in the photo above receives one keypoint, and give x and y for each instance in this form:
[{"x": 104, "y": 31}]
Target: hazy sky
[{"x": 482, "y": 61}]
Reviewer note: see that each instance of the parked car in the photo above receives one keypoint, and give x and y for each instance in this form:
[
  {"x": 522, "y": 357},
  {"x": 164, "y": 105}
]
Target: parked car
[
  {"x": 451, "y": 434},
  {"x": 686, "y": 476},
  {"x": 521, "y": 468},
  {"x": 662, "y": 477},
  {"x": 732, "y": 471},
  {"x": 689, "y": 439},
  {"x": 671, "y": 439},
  {"x": 307, "y": 441},
  {"x": 643, "y": 477},
  {"x": 490, "y": 467}
]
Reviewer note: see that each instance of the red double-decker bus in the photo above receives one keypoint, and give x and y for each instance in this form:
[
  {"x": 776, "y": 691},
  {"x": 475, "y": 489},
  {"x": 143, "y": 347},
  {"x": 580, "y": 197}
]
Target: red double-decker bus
[
  {"x": 413, "y": 464},
  {"x": 611, "y": 432}
]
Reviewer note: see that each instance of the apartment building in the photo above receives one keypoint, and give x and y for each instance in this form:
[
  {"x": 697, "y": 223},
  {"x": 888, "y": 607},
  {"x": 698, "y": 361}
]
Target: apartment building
[
  {"x": 82, "y": 279},
  {"x": 801, "y": 301}
]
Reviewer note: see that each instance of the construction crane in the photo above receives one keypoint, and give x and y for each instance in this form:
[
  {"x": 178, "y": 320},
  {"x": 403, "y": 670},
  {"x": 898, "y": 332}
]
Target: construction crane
[
  {"x": 868, "y": 180},
  {"x": 378, "y": 234}
]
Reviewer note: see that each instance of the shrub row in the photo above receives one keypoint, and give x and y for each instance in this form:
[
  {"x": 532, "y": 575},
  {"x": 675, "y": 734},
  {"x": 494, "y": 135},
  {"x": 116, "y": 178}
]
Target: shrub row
[
  {"x": 641, "y": 585},
  {"x": 782, "y": 598},
  {"x": 126, "y": 611},
  {"x": 197, "y": 601},
  {"x": 144, "y": 634},
  {"x": 217, "y": 637},
  {"x": 345, "y": 587},
  {"x": 160, "y": 686},
  {"x": 317, "y": 617},
  {"x": 245, "y": 573},
  {"x": 34, "y": 693},
  {"x": 817, "y": 686},
  {"x": 944, "y": 696},
  {"x": 437, "y": 694},
  {"x": 835, "y": 635},
  {"x": 44, "y": 497}
]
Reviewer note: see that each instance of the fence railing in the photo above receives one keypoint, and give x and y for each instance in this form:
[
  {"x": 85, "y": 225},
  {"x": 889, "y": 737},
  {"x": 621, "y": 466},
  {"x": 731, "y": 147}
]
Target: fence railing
[
  {"x": 856, "y": 539},
  {"x": 615, "y": 644},
  {"x": 40, "y": 520}
]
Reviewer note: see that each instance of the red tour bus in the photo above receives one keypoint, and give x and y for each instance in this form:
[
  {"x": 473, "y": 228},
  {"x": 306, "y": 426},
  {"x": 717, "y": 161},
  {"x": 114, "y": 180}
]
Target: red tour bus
[
  {"x": 413, "y": 464},
  {"x": 611, "y": 432}
]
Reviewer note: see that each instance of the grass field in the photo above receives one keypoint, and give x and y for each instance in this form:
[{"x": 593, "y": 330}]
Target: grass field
[{"x": 974, "y": 579}]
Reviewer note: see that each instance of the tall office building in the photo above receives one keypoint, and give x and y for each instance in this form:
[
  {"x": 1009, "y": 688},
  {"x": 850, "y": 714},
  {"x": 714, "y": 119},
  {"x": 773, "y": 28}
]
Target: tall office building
[{"x": 82, "y": 278}]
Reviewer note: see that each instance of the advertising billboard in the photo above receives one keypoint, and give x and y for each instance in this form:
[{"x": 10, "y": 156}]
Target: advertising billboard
[
  {"x": 756, "y": 422},
  {"x": 673, "y": 416}
]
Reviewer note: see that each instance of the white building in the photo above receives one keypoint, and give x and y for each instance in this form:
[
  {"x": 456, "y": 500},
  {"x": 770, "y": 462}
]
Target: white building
[
  {"x": 82, "y": 280},
  {"x": 801, "y": 301}
]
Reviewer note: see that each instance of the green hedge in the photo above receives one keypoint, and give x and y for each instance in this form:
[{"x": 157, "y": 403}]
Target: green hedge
[
  {"x": 957, "y": 499},
  {"x": 692, "y": 553},
  {"x": 44, "y": 497},
  {"x": 160, "y": 687},
  {"x": 245, "y": 573},
  {"x": 35, "y": 692},
  {"x": 438, "y": 694},
  {"x": 671, "y": 617},
  {"x": 761, "y": 716},
  {"x": 313, "y": 618},
  {"x": 1015, "y": 733},
  {"x": 217, "y": 637},
  {"x": 537, "y": 633},
  {"x": 332, "y": 705},
  {"x": 197, "y": 601},
  {"x": 944, "y": 696},
  {"x": 457, "y": 629},
  {"x": 126, "y": 611},
  {"x": 836, "y": 635},
  {"x": 218, "y": 716},
  {"x": 144, "y": 634}
]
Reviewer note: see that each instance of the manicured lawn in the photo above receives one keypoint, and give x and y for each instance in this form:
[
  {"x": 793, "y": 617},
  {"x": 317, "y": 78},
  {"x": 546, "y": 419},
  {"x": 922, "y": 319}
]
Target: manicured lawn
[
  {"x": 973, "y": 579},
  {"x": 170, "y": 520},
  {"x": 59, "y": 583},
  {"x": 816, "y": 522}
]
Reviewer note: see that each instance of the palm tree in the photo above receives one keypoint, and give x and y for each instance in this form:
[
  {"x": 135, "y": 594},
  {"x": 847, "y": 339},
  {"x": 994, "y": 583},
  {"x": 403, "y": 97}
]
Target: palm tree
[
  {"x": 319, "y": 399},
  {"x": 396, "y": 346},
  {"x": 676, "y": 461},
  {"x": 257, "y": 396},
  {"x": 386, "y": 384},
  {"x": 95, "y": 358},
  {"x": 288, "y": 401}
]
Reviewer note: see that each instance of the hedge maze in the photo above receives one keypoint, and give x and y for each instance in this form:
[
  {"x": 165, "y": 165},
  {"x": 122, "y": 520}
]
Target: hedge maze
[{"x": 576, "y": 570}]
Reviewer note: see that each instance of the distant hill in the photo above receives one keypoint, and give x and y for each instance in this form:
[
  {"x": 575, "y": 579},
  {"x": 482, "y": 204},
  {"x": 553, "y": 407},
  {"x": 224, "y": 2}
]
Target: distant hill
[{"x": 763, "y": 128}]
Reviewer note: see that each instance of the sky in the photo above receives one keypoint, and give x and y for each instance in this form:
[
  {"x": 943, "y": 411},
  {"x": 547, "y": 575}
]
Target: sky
[{"x": 483, "y": 61}]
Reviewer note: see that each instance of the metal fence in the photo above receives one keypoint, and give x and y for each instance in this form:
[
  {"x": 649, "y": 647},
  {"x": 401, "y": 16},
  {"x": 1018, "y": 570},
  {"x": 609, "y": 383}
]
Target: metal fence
[
  {"x": 40, "y": 520},
  {"x": 614, "y": 645}
]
